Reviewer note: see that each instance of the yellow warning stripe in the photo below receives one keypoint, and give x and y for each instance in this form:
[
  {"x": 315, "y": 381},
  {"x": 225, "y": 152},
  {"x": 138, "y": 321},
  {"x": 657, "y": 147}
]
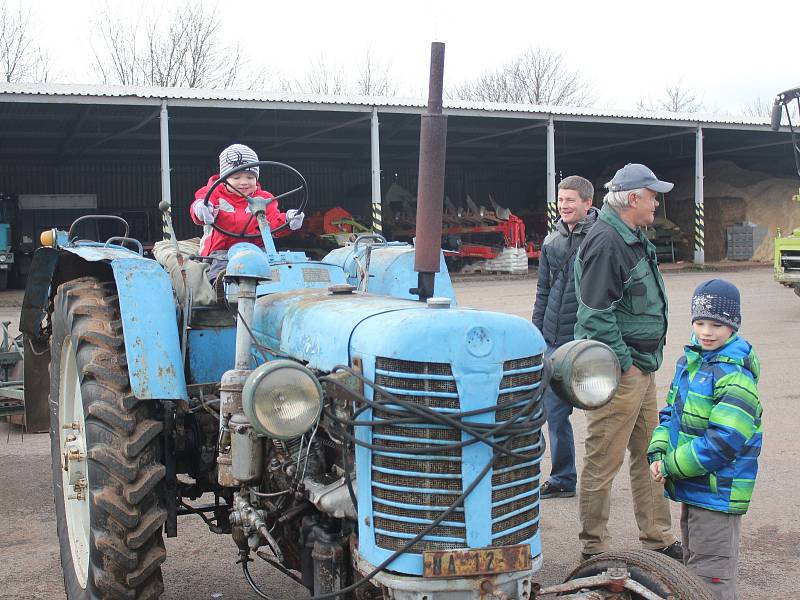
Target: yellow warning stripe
[
  {"x": 699, "y": 227},
  {"x": 552, "y": 216},
  {"x": 377, "y": 219}
]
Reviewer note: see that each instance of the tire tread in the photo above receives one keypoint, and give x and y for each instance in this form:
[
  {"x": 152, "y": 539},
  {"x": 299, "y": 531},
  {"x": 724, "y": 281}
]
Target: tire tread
[
  {"x": 681, "y": 583},
  {"x": 123, "y": 449}
]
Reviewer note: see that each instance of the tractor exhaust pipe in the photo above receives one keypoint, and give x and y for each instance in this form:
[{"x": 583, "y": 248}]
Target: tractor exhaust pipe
[{"x": 430, "y": 188}]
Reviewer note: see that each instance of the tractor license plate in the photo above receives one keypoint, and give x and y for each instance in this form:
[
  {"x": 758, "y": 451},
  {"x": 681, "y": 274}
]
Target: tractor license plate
[{"x": 482, "y": 561}]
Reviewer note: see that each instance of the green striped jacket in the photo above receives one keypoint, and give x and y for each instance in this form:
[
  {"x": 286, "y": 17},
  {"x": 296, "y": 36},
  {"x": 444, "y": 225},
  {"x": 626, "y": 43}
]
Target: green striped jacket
[{"x": 709, "y": 433}]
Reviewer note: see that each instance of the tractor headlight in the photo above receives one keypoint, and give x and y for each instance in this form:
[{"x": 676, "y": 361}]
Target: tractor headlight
[
  {"x": 282, "y": 399},
  {"x": 585, "y": 373}
]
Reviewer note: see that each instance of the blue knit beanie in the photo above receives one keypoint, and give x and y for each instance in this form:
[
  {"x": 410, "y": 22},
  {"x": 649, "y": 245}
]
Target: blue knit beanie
[{"x": 717, "y": 300}]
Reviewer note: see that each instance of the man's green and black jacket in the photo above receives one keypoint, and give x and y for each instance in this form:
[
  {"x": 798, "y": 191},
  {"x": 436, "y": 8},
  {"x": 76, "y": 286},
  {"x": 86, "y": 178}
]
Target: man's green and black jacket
[{"x": 621, "y": 297}]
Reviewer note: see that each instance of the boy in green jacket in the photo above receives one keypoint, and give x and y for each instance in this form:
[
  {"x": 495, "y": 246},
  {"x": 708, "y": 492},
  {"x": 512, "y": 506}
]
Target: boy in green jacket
[{"x": 705, "y": 449}]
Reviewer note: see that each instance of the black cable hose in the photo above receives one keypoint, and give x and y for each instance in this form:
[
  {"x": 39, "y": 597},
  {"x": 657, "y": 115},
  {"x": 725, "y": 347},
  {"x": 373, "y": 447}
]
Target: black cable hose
[
  {"x": 515, "y": 427},
  {"x": 348, "y": 478},
  {"x": 280, "y": 567},
  {"x": 252, "y": 582}
]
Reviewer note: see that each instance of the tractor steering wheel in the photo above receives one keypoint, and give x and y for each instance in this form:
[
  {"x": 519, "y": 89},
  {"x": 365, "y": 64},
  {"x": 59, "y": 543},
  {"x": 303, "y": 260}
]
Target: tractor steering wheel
[{"x": 253, "y": 202}]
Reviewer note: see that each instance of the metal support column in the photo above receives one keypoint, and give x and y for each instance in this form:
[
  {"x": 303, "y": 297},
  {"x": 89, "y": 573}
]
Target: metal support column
[
  {"x": 699, "y": 205},
  {"x": 377, "y": 219},
  {"x": 166, "y": 193},
  {"x": 552, "y": 209}
]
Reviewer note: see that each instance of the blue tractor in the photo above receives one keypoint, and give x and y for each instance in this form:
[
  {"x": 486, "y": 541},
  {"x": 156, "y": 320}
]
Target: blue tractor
[{"x": 357, "y": 429}]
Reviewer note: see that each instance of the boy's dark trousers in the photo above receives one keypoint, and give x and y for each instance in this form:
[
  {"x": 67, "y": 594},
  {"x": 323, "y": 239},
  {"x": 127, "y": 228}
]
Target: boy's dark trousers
[{"x": 711, "y": 547}]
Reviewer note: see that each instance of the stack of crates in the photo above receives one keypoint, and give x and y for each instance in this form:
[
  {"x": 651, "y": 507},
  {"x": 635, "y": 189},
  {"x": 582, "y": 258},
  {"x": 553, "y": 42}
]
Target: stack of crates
[{"x": 744, "y": 239}]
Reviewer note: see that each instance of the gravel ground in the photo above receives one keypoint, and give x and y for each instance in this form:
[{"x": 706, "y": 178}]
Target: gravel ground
[{"x": 202, "y": 565}]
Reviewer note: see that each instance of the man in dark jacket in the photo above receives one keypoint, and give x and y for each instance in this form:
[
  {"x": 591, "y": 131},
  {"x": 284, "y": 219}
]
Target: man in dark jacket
[
  {"x": 622, "y": 302},
  {"x": 554, "y": 315}
]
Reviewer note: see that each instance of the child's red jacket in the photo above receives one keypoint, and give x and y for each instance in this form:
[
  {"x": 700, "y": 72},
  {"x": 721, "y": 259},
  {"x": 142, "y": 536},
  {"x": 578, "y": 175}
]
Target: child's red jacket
[{"x": 233, "y": 215}]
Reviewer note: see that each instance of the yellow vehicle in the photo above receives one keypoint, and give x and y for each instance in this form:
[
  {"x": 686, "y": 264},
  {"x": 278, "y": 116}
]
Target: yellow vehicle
[{"x": 787, "y": 248}]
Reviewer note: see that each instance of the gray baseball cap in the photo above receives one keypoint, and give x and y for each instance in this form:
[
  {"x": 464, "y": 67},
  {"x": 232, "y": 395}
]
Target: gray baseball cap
[{"x": 634, "y": 176}]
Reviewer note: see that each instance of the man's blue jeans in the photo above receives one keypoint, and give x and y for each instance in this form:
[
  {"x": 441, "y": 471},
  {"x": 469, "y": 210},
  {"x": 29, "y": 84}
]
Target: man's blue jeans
[{"x": 559, "y": 435}]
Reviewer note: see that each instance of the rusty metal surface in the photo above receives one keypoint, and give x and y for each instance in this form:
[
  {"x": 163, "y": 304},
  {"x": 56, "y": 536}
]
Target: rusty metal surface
[
  {"x": 37, "y": 293},
  {"x": 152, "y": 343},
  {"x": 482, "y": 561},
  {"x": 430, "y": 193},
  {"x": 37, "y": 385},
  {"x": 610, "y": 584}
]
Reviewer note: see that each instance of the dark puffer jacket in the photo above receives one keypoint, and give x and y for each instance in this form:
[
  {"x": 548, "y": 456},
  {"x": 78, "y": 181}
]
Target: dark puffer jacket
[{"x": 555, "y": 309}]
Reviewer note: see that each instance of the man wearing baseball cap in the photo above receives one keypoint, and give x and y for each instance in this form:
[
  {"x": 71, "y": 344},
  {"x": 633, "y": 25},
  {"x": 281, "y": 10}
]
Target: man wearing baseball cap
[{"x": 622, "y": 303}]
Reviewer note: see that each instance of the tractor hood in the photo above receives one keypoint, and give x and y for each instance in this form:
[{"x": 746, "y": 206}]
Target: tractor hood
[{"x": 326, "y": 329}]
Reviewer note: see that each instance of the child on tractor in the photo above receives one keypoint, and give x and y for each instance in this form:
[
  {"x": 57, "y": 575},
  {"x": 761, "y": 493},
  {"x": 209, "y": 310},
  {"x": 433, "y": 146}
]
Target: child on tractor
[
  {"x": 228, "y": 208},
  {"x": 706, "y": 446}
]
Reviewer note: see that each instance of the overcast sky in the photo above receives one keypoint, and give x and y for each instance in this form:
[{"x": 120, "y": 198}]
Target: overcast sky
[{"x": 627, "y": 50}]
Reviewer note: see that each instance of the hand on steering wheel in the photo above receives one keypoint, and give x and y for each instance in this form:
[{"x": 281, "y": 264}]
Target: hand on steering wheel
[
  {"x": 254, "y": 202},
  {"x": 207, "y": 213}
]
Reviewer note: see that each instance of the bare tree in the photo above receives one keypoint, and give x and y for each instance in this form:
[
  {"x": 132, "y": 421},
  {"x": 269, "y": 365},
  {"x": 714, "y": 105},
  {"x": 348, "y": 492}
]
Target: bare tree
[
  {"x": 21, "y": 58},
  {"x": 758, "y": 108},
  {"x": 321, "y": 78},
  {"x": 119, "y": 61},
  {"x": 539, "y": 76},
  {"x": 373, "y": 77},
  {"x": 676, "y": 98},
  {"x": 183, "y": 50},
  {"x": 324, "y": 77}
]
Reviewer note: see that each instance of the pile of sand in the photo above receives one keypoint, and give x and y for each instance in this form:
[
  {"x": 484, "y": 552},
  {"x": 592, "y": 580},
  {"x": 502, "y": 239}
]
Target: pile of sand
[
  {"x": 772, "y": 205},
  {"x": 766, "y": 200}
]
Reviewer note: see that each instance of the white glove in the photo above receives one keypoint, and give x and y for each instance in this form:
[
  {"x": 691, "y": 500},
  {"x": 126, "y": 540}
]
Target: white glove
[
  {"x": 207, "y": 214},
  {"x": 295, "y": 219}
]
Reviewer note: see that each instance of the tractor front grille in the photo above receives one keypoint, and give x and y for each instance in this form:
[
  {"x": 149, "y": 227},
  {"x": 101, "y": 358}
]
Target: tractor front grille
[
  {"x": 410, "y": 491},
  {"x": 501, "y": 477},
  {"x": 414, "y": 500},
  {"x": 515, "y": 481},
  {"x": 444, "y": 467},
  {"x": 522, "y": 363},
  {"x": 513, "y": 506},
  {"x": 518, "y": 519},
  {"x": 518, "y": 536},
  {"x": 433, "y": 483},
  {"x": 413, "y": 528},
  {"x": 396, "y": 543},
  {"x": 456, "y": 516}
]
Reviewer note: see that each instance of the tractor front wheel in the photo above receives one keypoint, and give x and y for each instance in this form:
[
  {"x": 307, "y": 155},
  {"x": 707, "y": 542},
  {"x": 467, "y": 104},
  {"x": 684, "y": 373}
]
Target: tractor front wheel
[
  {"x": 106, "y": 453},
  {"x": 659, "y": 574}
]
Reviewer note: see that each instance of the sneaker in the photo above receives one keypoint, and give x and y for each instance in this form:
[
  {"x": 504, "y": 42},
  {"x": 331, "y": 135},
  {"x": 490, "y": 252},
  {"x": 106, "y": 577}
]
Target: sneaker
[
  {"x": 553, "y": 491},
  {"x": 674, "y": 550}
]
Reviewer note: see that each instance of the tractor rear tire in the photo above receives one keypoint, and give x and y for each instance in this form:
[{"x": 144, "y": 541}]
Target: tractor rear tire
[
  {"x": 106, "y": 453},
  {"x": 658, "y": 573}
]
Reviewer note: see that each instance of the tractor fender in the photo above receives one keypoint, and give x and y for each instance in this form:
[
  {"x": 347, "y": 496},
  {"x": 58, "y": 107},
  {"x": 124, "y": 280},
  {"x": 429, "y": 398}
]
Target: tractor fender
[{"x": 149, "y": 324}]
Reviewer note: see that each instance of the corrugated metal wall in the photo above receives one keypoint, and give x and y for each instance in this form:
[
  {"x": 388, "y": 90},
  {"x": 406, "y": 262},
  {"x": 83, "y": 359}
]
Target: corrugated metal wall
[{"x": 132, "y": 189}]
